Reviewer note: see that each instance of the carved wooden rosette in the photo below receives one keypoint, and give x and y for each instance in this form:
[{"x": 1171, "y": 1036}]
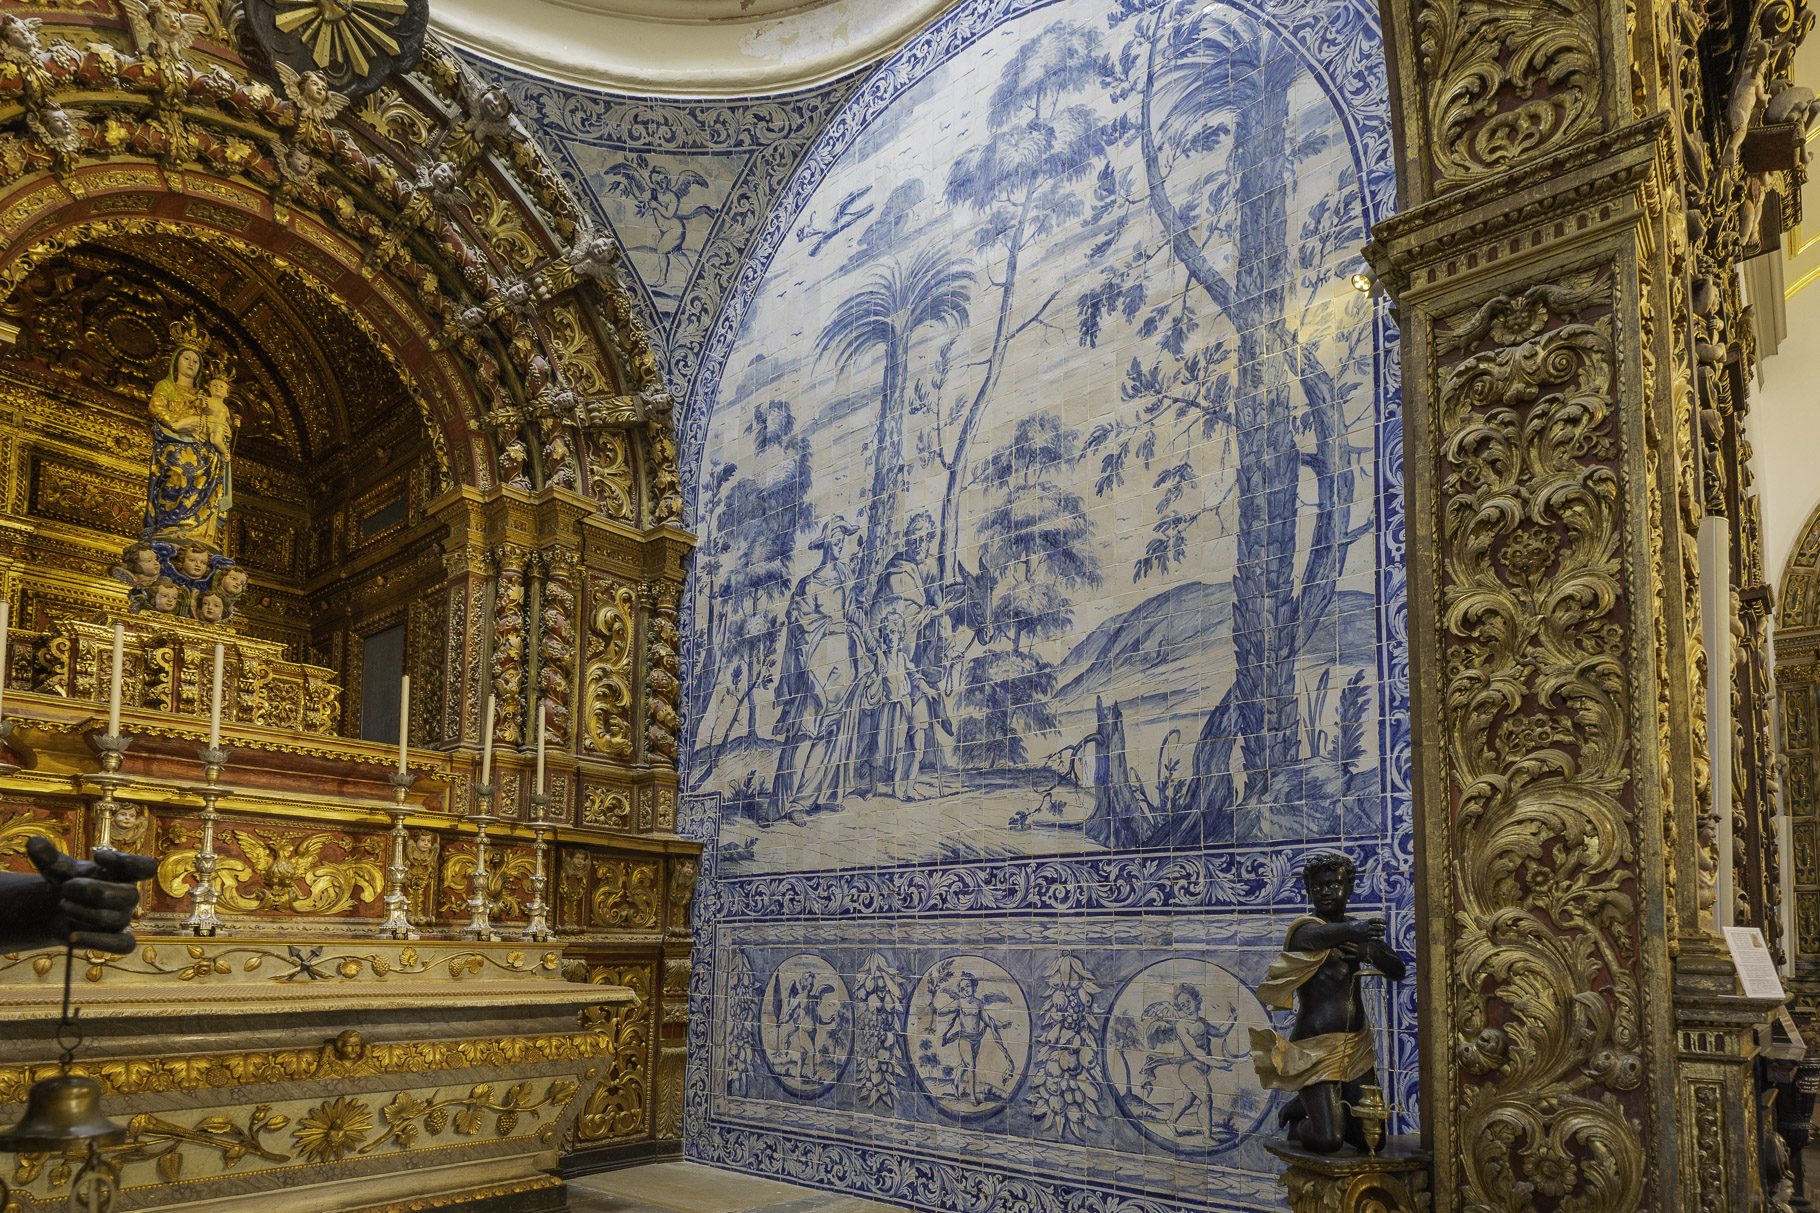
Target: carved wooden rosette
[{"x": 1557, "y": 345}]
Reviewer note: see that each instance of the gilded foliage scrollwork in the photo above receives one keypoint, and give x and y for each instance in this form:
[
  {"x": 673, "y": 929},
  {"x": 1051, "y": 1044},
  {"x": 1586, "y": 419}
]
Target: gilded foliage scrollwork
[
  {"x": 608, "y": 730},
  {"x": 1506, "y": 80},
  {"x": 1538, "y": 744},
  {"x": 282, "y": 872},
  {"x": 616, "y": 1106},
  {"x": 625, "y": 894}
]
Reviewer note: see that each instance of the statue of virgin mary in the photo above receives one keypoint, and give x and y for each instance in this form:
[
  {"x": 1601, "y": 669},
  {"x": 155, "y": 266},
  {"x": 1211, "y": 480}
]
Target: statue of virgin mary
[
  {"x": 176, "y": 567},
  {"x": 190, "y": 490}
]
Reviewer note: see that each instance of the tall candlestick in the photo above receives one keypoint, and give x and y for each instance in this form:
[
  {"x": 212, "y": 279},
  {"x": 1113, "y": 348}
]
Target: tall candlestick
[
  {"x": 543, "y": 725},
  {"x": 215, "y": 703},
  {"x": 404, "y": 720},
  {"x": 486, "y": 753},
  {"x": 6, "y": 669},
  {"x": 113, "y": 692}
]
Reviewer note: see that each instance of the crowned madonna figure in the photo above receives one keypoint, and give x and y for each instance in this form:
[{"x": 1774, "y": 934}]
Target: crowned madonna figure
[{"x": 177, "y": 566}]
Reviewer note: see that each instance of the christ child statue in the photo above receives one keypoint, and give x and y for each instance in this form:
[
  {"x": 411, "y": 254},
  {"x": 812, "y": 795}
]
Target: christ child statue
[{"x": 1328, "y": 1056}]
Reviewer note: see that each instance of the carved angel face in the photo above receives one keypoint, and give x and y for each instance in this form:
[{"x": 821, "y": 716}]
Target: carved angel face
[
  {"x": 18, "y": 34},
  {"x": 422, "y": 847},
  {"x": 211, "y": 608},
  {"x": 495, "y": 105},
  {"x": 166, "y": 19},
  {"x": 193, "y": 562},
  {"x": 442, "y": 177},
  {"x": 164, "y": 597},
  {"x": 233, "y": 581},
  {"x": 59, "y": 125},
  {"x": 315, "y": 88}
]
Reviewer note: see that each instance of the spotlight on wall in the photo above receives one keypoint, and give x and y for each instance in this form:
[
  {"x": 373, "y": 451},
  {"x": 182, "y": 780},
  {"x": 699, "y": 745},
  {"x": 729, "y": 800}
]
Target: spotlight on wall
[{"x": 1363, "y": 282}]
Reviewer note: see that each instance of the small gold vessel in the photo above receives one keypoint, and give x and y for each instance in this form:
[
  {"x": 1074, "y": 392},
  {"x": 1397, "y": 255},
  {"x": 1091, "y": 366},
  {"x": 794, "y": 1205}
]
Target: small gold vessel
[{"x": 1372, "y": 1115}]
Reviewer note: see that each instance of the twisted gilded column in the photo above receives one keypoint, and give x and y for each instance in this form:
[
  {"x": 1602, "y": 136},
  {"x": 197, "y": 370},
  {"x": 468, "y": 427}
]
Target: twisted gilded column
[{"x": 1569, "y": 214}]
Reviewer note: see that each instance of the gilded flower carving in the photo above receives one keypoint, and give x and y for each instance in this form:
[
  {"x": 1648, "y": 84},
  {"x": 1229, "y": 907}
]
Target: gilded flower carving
[{"x": 333, "y": 1129}]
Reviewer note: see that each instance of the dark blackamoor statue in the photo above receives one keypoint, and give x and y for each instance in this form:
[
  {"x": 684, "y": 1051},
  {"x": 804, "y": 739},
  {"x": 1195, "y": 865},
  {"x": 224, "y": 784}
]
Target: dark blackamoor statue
[
  {"x": 86, "y": 902},
  {"x": 1328, "y": 1056}
]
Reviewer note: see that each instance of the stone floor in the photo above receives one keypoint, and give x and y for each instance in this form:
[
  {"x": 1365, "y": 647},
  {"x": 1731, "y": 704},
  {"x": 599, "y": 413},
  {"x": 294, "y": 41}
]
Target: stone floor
[{"x": 686, "y": 1187}]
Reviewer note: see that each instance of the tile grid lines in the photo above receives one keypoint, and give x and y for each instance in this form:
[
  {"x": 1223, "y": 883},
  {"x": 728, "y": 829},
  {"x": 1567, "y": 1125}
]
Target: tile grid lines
[{"x": 714, "y": 1140}]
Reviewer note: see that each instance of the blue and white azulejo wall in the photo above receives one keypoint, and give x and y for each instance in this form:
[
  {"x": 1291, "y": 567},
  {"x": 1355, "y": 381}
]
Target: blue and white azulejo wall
[{"x": 1049, "y": 607}]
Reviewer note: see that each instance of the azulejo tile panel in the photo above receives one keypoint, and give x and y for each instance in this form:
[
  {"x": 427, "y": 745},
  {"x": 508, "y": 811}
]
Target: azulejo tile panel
[
  {"x": 1049, "y": 608},
  {"x": 683, "y": 184}
]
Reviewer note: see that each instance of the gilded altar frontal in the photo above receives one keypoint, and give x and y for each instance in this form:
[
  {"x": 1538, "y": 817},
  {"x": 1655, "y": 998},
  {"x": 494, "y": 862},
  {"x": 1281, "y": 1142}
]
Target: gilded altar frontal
[{"x": 981, "y": 606}]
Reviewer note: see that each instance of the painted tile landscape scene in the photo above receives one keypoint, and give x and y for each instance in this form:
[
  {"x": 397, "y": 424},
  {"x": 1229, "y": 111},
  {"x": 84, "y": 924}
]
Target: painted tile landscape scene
[{"x": 1038, "y": 507}]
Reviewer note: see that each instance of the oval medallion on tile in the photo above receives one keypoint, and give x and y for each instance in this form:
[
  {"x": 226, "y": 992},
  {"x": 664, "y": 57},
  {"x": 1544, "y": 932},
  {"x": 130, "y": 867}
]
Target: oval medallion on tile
[
  {"x": 1178, "y": 1055},
  {"x": 968, "y": 1031},
  {"x": 806, "y": 1025}
]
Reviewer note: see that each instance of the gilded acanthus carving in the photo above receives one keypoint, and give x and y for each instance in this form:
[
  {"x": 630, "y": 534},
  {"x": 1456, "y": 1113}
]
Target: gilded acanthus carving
[
  {"x": 1506, "y": 81},
  {"x": 682, "y": 893},
  {"x": 616, "y": 1106},
  {"x": 663, "y": 690},
  {"x": 1538, "y": 748},
  {"x": 282, "y": 871},
  {"x": 507, "y": 871},
  {"x": 509, "y": 646},
  {"x": 606, "y": 809},
  {"x": 556, "y": 645},
  {"x": 571, "y": 886},
  {"x": 625, "y": 895},
  {"x": 608, "y": 728}
]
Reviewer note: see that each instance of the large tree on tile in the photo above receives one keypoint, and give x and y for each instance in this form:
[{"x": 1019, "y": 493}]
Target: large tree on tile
[
  {"x": 886, "y": 315},
  {"x": 1020, "y": 182},
  {"x": 1218, "y": 154}
]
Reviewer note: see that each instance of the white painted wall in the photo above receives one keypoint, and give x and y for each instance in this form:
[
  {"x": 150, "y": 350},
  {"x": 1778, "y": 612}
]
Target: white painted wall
[{"x": 1784, "y": 430}]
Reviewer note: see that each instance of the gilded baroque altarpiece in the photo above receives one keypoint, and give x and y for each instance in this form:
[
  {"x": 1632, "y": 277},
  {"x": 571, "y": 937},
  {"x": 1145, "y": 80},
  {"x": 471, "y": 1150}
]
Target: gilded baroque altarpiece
[{"x": 445, "y": 419}]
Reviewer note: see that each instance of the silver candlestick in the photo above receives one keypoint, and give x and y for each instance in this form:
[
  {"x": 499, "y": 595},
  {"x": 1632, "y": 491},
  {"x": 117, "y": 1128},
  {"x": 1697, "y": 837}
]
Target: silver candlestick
[
  {"x": 205, "y": 894},
  {"x": 111, "y": 813},
  {"x": 538, "y": 929},
  {"x": 397, "y": 923},
  {"x": 480, "y": 902}
]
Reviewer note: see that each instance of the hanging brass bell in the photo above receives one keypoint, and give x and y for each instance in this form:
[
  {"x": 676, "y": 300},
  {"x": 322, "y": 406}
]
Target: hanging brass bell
[{"x": 62, "y": 1112}]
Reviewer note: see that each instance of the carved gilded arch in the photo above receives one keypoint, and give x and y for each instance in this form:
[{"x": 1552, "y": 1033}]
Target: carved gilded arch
[
  {"x": 437, "y": 222},
  {"x": 1797, "y": 605},
  {"x": 438, "y": 400}
]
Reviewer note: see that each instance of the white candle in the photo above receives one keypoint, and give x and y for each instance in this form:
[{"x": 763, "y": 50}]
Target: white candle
[
  {"x": 543, "y": 724},
  {"x": 113, "y": 692},
  {"x": 6, "y": 611},
  {"x": 486, "y": 753},
  {"x": 215, "y": 703},
  {"x": 404, "y": 720}
]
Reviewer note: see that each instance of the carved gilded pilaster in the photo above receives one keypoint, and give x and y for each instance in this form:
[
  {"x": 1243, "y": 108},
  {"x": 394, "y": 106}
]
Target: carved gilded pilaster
[
  {"x": 556, "y": 644},
  {"x": 609, "y": 678},
  {"x": 1576, "y": 1001},
  {"x": 506, "y": 667},
  {"x": 663, "y": 661}
]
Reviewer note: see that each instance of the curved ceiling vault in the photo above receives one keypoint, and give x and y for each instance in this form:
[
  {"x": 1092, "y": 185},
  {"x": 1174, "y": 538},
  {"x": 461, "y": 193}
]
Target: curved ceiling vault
[{"x": 685, "y": 47}]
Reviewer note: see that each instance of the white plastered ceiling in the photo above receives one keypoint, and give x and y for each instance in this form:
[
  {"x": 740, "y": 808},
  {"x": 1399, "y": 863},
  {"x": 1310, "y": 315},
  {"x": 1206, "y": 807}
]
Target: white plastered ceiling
[{"x": 694, "y": 48}]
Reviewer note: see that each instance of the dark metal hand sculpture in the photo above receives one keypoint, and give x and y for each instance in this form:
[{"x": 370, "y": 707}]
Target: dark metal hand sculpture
[
  {"x": 89, "y": 903},
  {"x": 1328, "y": 1056}
]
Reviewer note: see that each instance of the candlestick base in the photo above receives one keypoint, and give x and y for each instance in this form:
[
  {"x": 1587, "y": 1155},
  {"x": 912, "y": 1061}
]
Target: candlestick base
[
  {"x": 537, "y": 930},
  {"x": 204, "y": 895},
  {"x": 480, "y": 892},
  {"x": 397, "y": 924}
]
